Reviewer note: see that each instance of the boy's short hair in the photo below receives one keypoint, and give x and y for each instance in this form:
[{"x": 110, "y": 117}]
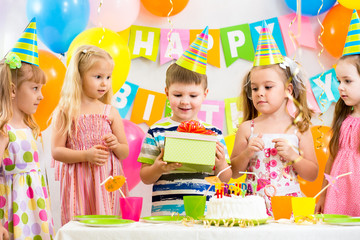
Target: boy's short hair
[{"x": 177, "y": 74}]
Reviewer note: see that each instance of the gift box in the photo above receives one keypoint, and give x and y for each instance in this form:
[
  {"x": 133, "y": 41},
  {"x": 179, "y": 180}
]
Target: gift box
[{"x": 195, "y": 151}]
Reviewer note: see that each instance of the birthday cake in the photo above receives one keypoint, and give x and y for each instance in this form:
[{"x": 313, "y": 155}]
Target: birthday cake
[{"x": 236, "y": 207}]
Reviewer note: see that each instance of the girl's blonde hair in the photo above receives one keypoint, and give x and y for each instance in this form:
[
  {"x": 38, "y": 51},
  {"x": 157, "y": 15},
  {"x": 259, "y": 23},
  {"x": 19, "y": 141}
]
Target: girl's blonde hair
[
  {"x": 68, "y": 109},
  {"x": 178, "y": 74},
  {"x": 299, "y": 88},
  {"x": 341, "y": 110},
  {"x": 16, "y": 77}
]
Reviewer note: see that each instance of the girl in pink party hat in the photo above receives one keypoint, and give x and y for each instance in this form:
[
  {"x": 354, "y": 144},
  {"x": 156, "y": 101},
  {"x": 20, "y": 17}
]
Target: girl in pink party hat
[
  {"x": 24, "y": 200},
  {"x": 344, "y": 196},
  {"x": 270, "y": 142}
]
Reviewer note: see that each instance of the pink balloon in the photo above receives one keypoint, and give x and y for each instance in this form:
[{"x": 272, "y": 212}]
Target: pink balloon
[
  {"x": 131, "y": 166},
  {"x": 116, "y": 15}
]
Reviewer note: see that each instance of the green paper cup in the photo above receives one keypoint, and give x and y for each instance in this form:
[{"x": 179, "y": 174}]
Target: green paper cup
[
  {"x": 194, "y": 206},
  {"x": 281, "y": 207},
  {"x": 303, "y": 207}
]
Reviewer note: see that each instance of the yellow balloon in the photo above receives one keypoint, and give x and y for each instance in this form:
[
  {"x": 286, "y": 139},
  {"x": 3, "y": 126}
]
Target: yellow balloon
[
  {"x": 351, "y": 4},
  {"x": 111, "y": 42}
]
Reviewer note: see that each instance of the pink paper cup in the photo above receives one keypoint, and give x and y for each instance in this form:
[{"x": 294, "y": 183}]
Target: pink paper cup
[{"x": 131, "y": 207}]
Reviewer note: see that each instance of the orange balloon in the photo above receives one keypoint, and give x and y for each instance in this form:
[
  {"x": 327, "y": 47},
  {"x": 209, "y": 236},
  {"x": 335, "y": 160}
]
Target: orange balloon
[
  {"x": 55, "y": 73},
  {"x": 162, "y": 8},
  {"x": 336, "y": 24},
  {"x": 321, "y": 136}
]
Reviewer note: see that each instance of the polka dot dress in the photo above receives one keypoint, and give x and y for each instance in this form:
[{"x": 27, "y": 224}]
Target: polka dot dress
[{"x": 24, "y": 199}]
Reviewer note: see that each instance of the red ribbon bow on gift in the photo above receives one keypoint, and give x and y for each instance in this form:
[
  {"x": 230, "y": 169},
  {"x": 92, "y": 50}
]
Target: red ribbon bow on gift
[{"x": 194, "y": 126}]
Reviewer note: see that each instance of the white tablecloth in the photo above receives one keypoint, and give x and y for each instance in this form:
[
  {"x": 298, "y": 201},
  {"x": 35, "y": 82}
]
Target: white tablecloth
[{"x": 168, "y": 231}]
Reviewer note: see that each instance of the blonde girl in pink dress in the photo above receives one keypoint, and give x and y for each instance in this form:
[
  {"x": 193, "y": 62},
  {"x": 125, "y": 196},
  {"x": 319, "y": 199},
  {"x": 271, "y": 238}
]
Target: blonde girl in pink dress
[
  {"x": 88, "y": 138},
  {"x": 345, "y": 143},
  {"x": 24, "y": 199},
  {"x": 269, "y": 142}
]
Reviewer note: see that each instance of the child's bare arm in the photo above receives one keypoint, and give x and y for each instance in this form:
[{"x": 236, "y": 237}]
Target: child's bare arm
[
  {"x": 244, "y": 149},
  {"x": 220, "y": 163},
  {"x": 4, "y": 141},
  {"x": 305, "y": 165},
  {"x": 117, "y": 140},
  {"x": 96, "y": 155},
  {"x": 150, "y": 173}
]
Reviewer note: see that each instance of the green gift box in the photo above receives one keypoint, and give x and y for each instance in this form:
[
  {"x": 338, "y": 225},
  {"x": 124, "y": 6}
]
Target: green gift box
[{"x": 195, "y": 151}]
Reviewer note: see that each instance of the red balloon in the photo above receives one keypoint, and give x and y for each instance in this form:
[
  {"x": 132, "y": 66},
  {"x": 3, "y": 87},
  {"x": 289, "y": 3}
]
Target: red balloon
[
  {"x": 162, "y": 8},
  {"x": 134, "y": 135},
  {"x": 336, "y": 24},
  {"x": 321, "y": 136},
  {"x": 55, "y": 73}
]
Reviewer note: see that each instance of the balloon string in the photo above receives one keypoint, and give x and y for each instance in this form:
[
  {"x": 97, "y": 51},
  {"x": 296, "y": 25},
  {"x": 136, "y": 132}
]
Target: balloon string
[
  {"x": 292, "y": 36},
  {"x": 100, "y": 24},
  {"x": 171, "y": 29},
  {"x": 322, "y": 102}
]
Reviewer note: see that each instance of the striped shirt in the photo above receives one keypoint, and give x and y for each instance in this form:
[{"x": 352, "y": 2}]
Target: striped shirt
[{"x": 168, "y": 191}]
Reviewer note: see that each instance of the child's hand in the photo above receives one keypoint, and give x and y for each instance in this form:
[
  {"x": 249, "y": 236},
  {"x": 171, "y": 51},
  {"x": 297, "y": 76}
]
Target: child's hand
[
  {"x": 320, "y": 204},
  {"x": 111, "y": 141},
  {"x": 4, "y": 235},
  {"x": 97, "y": 155},
  {"x": 220, "y": 154},
  {"x": 255, "y": 144},
  {"x": 284, "y": 149},
  {"x": 164, "y": 167}
]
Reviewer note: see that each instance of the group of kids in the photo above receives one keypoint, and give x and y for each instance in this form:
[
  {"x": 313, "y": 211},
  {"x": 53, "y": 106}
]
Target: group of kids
[{"x": 88, "y": 138}]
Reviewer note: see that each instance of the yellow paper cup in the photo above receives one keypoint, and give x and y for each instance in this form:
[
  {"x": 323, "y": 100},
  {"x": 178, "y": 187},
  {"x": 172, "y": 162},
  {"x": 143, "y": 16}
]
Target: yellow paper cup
[
  {"x": 281, "y": 207},
  {"x": 303, "y": 207}
]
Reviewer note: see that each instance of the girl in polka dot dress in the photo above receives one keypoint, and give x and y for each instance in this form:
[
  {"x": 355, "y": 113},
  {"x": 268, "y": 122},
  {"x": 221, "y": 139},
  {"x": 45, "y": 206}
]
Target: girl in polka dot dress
[
  {"x": 270, "y": 142},
  {"x": 24, "y": 199},
  {"x": 88, "y": 139}
]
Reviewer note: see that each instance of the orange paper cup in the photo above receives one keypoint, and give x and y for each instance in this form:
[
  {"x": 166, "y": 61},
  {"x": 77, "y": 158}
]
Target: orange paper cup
[
  {"x": 281, "y": 207},
  {"x": 303, "y": 207}
]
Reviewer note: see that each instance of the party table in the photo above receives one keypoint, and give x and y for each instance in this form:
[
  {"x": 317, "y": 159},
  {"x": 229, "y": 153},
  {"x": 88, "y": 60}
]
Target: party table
[{"x": 166, "y": 231}]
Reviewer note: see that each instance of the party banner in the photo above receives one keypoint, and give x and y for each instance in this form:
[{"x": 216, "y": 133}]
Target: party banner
[
  {"x": 274, "y": 27},
  {"x": 213, "y": 54},
  {"x": 124, "y": 98},
  {"x": 305, "y": 37},
  {"x": 144, "y": 42},
  {"x": 148, "y": 107},
  {"x": 234, "y": 116},
  {"x": 237, "y": 43},
  {"x": 212, "y": 112},
  {"x": 325, "y": 89},
  {"x": 173, "y": 44}
]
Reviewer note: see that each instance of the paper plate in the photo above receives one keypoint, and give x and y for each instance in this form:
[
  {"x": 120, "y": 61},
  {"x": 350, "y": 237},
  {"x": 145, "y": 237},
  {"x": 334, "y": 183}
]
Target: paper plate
[
  {"x": 106, "y": 222},
  {"x": 326, "y": 217},
  {"x": 246, "y": 222},
  {"x": 86, "y": 217},
  {"x": 344, "y": 221},
  {"x": 162, "y": 219}
]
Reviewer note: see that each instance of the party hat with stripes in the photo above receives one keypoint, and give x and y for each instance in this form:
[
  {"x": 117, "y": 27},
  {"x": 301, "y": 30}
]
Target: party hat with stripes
[
  {"x": 267, "y": 52},
  {"x": 352, "y": 44},
  {"x": 26, "y": 47},
  {"x": 195, "y": 57}
]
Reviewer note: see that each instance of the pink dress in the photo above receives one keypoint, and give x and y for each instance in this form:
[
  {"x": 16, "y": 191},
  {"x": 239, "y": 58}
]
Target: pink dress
[
  {"x": 272, "y": 172},
  {"x": 80, "y": 190},
  {"x": 346, "y": 198}
]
